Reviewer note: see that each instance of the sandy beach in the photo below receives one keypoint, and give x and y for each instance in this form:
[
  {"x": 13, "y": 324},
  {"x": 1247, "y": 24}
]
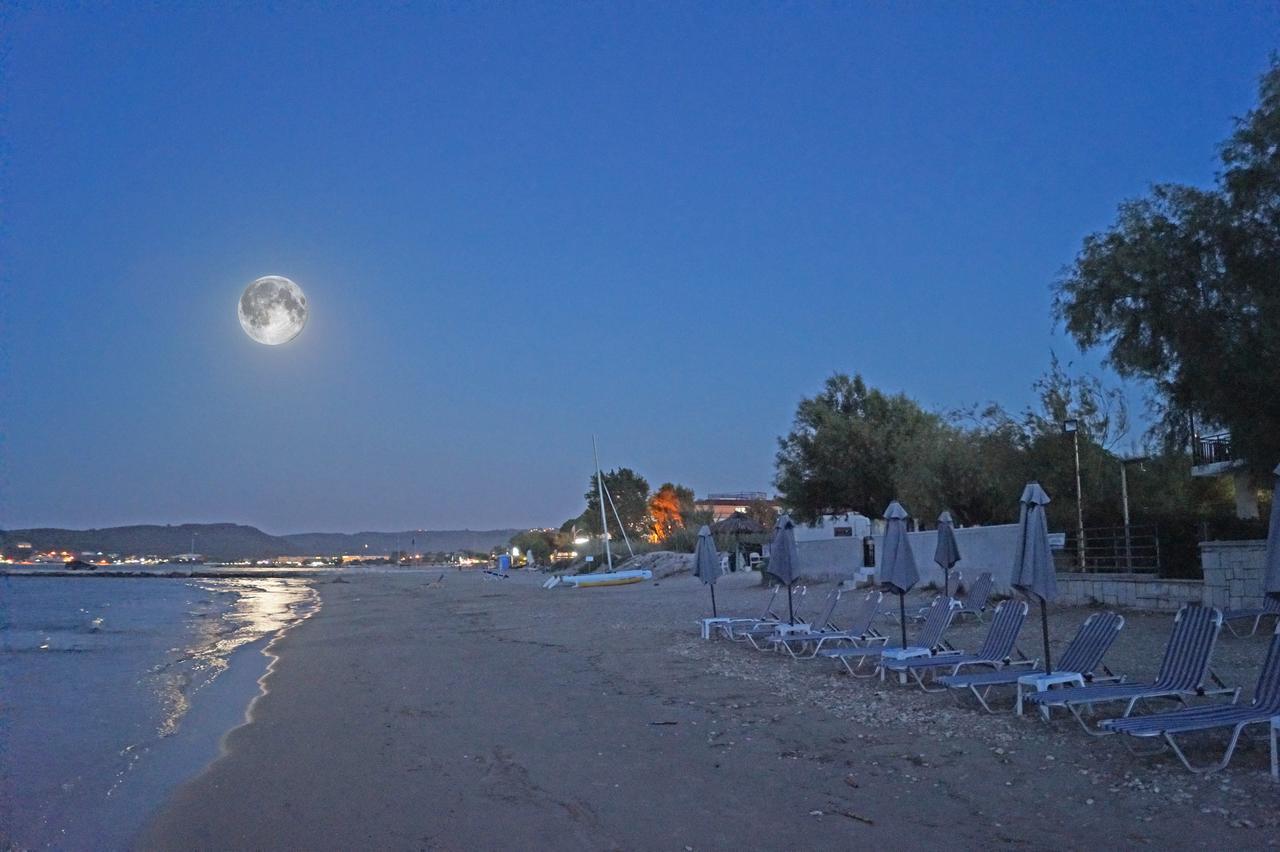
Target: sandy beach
[{"x": 449, "y": 711}]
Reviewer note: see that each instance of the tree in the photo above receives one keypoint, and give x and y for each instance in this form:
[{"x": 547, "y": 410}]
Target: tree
[
  {"x": 856, "y": 448},
  {"x": 536, "y": 543},
  {"x": 849, "y": 449},
  {"x": 762, "y": 512},
  {"x": 1184, "y": 291},
  {"x": 670, "y": 509},
  {"x": 630, "y": 493}
]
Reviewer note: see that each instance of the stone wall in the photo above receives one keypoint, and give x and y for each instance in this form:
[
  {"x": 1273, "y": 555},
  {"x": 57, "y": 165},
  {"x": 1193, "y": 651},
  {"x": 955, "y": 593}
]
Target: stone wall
[
  {"x": 1135, "y": 591},
  {"x": 1233, "y": 573}
]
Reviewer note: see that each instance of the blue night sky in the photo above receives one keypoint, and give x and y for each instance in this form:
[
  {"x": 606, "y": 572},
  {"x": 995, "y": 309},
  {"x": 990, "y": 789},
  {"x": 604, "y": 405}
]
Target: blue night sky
[{"x": 519, "y": 224}]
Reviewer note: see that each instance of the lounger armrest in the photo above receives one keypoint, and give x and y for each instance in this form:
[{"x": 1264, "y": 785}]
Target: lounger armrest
[
  {"x": 1233, "y": 691},
  {"x": 1023, "y": 662},
  {"x": 1107, "y": 678}
]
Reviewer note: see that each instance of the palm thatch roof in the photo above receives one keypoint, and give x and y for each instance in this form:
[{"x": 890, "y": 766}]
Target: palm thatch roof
[{"x": 737, "y": 524}]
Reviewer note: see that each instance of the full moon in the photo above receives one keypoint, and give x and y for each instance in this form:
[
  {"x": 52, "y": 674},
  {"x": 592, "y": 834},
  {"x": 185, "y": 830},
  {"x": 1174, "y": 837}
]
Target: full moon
[{"x": 273, "y": 310}]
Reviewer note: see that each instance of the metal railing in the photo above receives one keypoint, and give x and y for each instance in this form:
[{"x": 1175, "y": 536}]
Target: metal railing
[
  {"x": 1211, "y": 449},
  {"x": 1130, "y": 550}
]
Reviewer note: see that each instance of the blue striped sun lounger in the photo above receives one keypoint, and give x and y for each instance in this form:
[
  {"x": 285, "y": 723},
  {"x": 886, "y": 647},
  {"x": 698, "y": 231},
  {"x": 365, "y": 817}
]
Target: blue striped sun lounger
[
  {"x": 928, "y": 637},
  {"x": 996, "y": 652},
  {"x": 805, "y": 646},
  {"x": 820, "y": 621},
  {"x": 738, "y": 629},
  {"x": 1264, "y": 708},
  {"x": 1182, "y": 673},
  {"x": 1083, "y": 656},
  {"x": 978, "y": 597},
  {"x": 1270, "y": 608},
  {"x": 724, "y": 623}
]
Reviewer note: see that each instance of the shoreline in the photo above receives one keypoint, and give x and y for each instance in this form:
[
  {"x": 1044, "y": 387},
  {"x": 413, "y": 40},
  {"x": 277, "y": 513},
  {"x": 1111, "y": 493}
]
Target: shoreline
[
  {"x": 113, "y": 717},
  {"x": 223, "y": 713},
  {"x": 415, "y": 709}
]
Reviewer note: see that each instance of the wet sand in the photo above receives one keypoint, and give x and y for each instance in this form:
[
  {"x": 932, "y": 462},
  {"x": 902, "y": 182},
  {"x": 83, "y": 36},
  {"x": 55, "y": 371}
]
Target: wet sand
[{"x": 450, "y": 711}]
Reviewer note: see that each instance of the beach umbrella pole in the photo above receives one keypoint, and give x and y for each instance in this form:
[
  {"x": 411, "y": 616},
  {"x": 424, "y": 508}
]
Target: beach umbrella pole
[
  {"x": 713, "y": 600},
  {"x": 1044, "y": 627},
  {"x": 946, "y": 581},
  {"x": 902, "y": 615},
  {"x": 791, "y": 613}
]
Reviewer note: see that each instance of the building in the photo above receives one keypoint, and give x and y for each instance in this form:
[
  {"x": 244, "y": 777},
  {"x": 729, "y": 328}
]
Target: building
[
  {"x": 847, "y": 525},
  {"x": 1211, "y": 455},
  {"x": 725, "y": 504}
]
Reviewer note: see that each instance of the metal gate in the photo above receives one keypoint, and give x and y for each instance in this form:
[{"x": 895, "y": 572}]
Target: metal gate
[{"x": 1134, "y": 549}]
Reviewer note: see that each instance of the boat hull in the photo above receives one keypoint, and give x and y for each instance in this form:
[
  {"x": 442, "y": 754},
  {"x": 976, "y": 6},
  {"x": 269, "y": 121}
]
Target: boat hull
[{"x": 611, "y": 578}]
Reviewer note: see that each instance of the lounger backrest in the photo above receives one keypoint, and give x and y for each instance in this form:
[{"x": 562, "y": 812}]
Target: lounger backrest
[
  {"x": 1266, "y": 695},
  {"x": 936, "y": 622},
  {"x": 1186, "y": 657},
  {"x": 976, "y": 600},
  {"x": 828, "y": 609},
  {"x": 865, "y": 615},
  {"x": 1271, "y": 603},
  {"x": 1003, "y": 633},
  {"x": 768, "y": 613},
  {"x": 1092, "y": 641}
]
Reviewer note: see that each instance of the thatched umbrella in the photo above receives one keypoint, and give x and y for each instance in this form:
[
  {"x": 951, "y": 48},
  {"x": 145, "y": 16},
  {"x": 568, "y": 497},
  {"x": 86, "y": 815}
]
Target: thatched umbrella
[
  {"x": 736, "y": 526},
  {"x": 739, "y": 523}
]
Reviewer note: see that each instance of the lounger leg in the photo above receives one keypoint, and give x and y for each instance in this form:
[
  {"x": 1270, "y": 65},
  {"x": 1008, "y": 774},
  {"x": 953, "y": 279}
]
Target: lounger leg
[
  {"x": 1275, "y": 749},
  {"x": 982, "y": 697},
  {"x": 1094, "y": 731},
  {"x": 1206, "y": 770}
]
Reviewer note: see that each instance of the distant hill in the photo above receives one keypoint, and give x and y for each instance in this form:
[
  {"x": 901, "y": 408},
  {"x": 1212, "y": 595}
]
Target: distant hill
[{"x": 236, "y": 541}]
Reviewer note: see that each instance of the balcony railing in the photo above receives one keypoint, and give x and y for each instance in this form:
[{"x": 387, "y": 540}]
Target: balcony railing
[{"x": 1211, "y": 449}]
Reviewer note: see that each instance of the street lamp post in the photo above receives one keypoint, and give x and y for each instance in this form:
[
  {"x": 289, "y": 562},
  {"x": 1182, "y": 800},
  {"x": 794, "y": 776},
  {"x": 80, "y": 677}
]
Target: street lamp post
[{"x": 1072, "y": 428}]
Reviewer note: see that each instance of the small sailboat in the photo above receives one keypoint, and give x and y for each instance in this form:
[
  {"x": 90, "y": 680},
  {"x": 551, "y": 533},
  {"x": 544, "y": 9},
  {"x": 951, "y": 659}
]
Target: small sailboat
[{"x": 608, "y": 577}]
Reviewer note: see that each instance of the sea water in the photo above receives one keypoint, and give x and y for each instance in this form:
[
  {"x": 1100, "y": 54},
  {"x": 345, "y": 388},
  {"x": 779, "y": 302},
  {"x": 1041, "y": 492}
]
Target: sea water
[{"x": 114, "y": 690}]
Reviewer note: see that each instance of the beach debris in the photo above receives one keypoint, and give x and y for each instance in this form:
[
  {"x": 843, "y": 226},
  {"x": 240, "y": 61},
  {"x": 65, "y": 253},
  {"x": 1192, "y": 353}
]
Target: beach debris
[
  {"x": 856, "y": 817},
  {"x": 664, "y": 723}
]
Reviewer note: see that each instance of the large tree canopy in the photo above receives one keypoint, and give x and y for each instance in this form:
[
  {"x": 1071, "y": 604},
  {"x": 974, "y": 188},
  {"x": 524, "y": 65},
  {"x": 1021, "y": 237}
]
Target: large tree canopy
[
  {"x": 1184, "y": 290},
  {"x": 855, "y": 448},
  {"x": 630, "y": 493},
  {"x": 848, "y": 447}
]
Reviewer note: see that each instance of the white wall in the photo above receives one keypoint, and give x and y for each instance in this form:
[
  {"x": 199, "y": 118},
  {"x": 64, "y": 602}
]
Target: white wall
[{"x": 981, "y": 549}]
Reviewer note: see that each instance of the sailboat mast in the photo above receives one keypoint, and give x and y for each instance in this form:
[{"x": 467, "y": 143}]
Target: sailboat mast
[
  {"x": 604, "y": 522},
  {"x": 614, "y": 507}
]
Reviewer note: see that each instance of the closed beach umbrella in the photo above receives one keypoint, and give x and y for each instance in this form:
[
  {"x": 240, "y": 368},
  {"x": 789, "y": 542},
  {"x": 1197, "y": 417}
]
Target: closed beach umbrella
[
  {"x": 783, "y": 557},
  {"x": 1033, "y": 572},
  {"x": 706, "y": 563},
  {"x": 947, "y": 553},
  {"x": 1271, "y": 580},
  {"x": 898, "y": 572}
]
